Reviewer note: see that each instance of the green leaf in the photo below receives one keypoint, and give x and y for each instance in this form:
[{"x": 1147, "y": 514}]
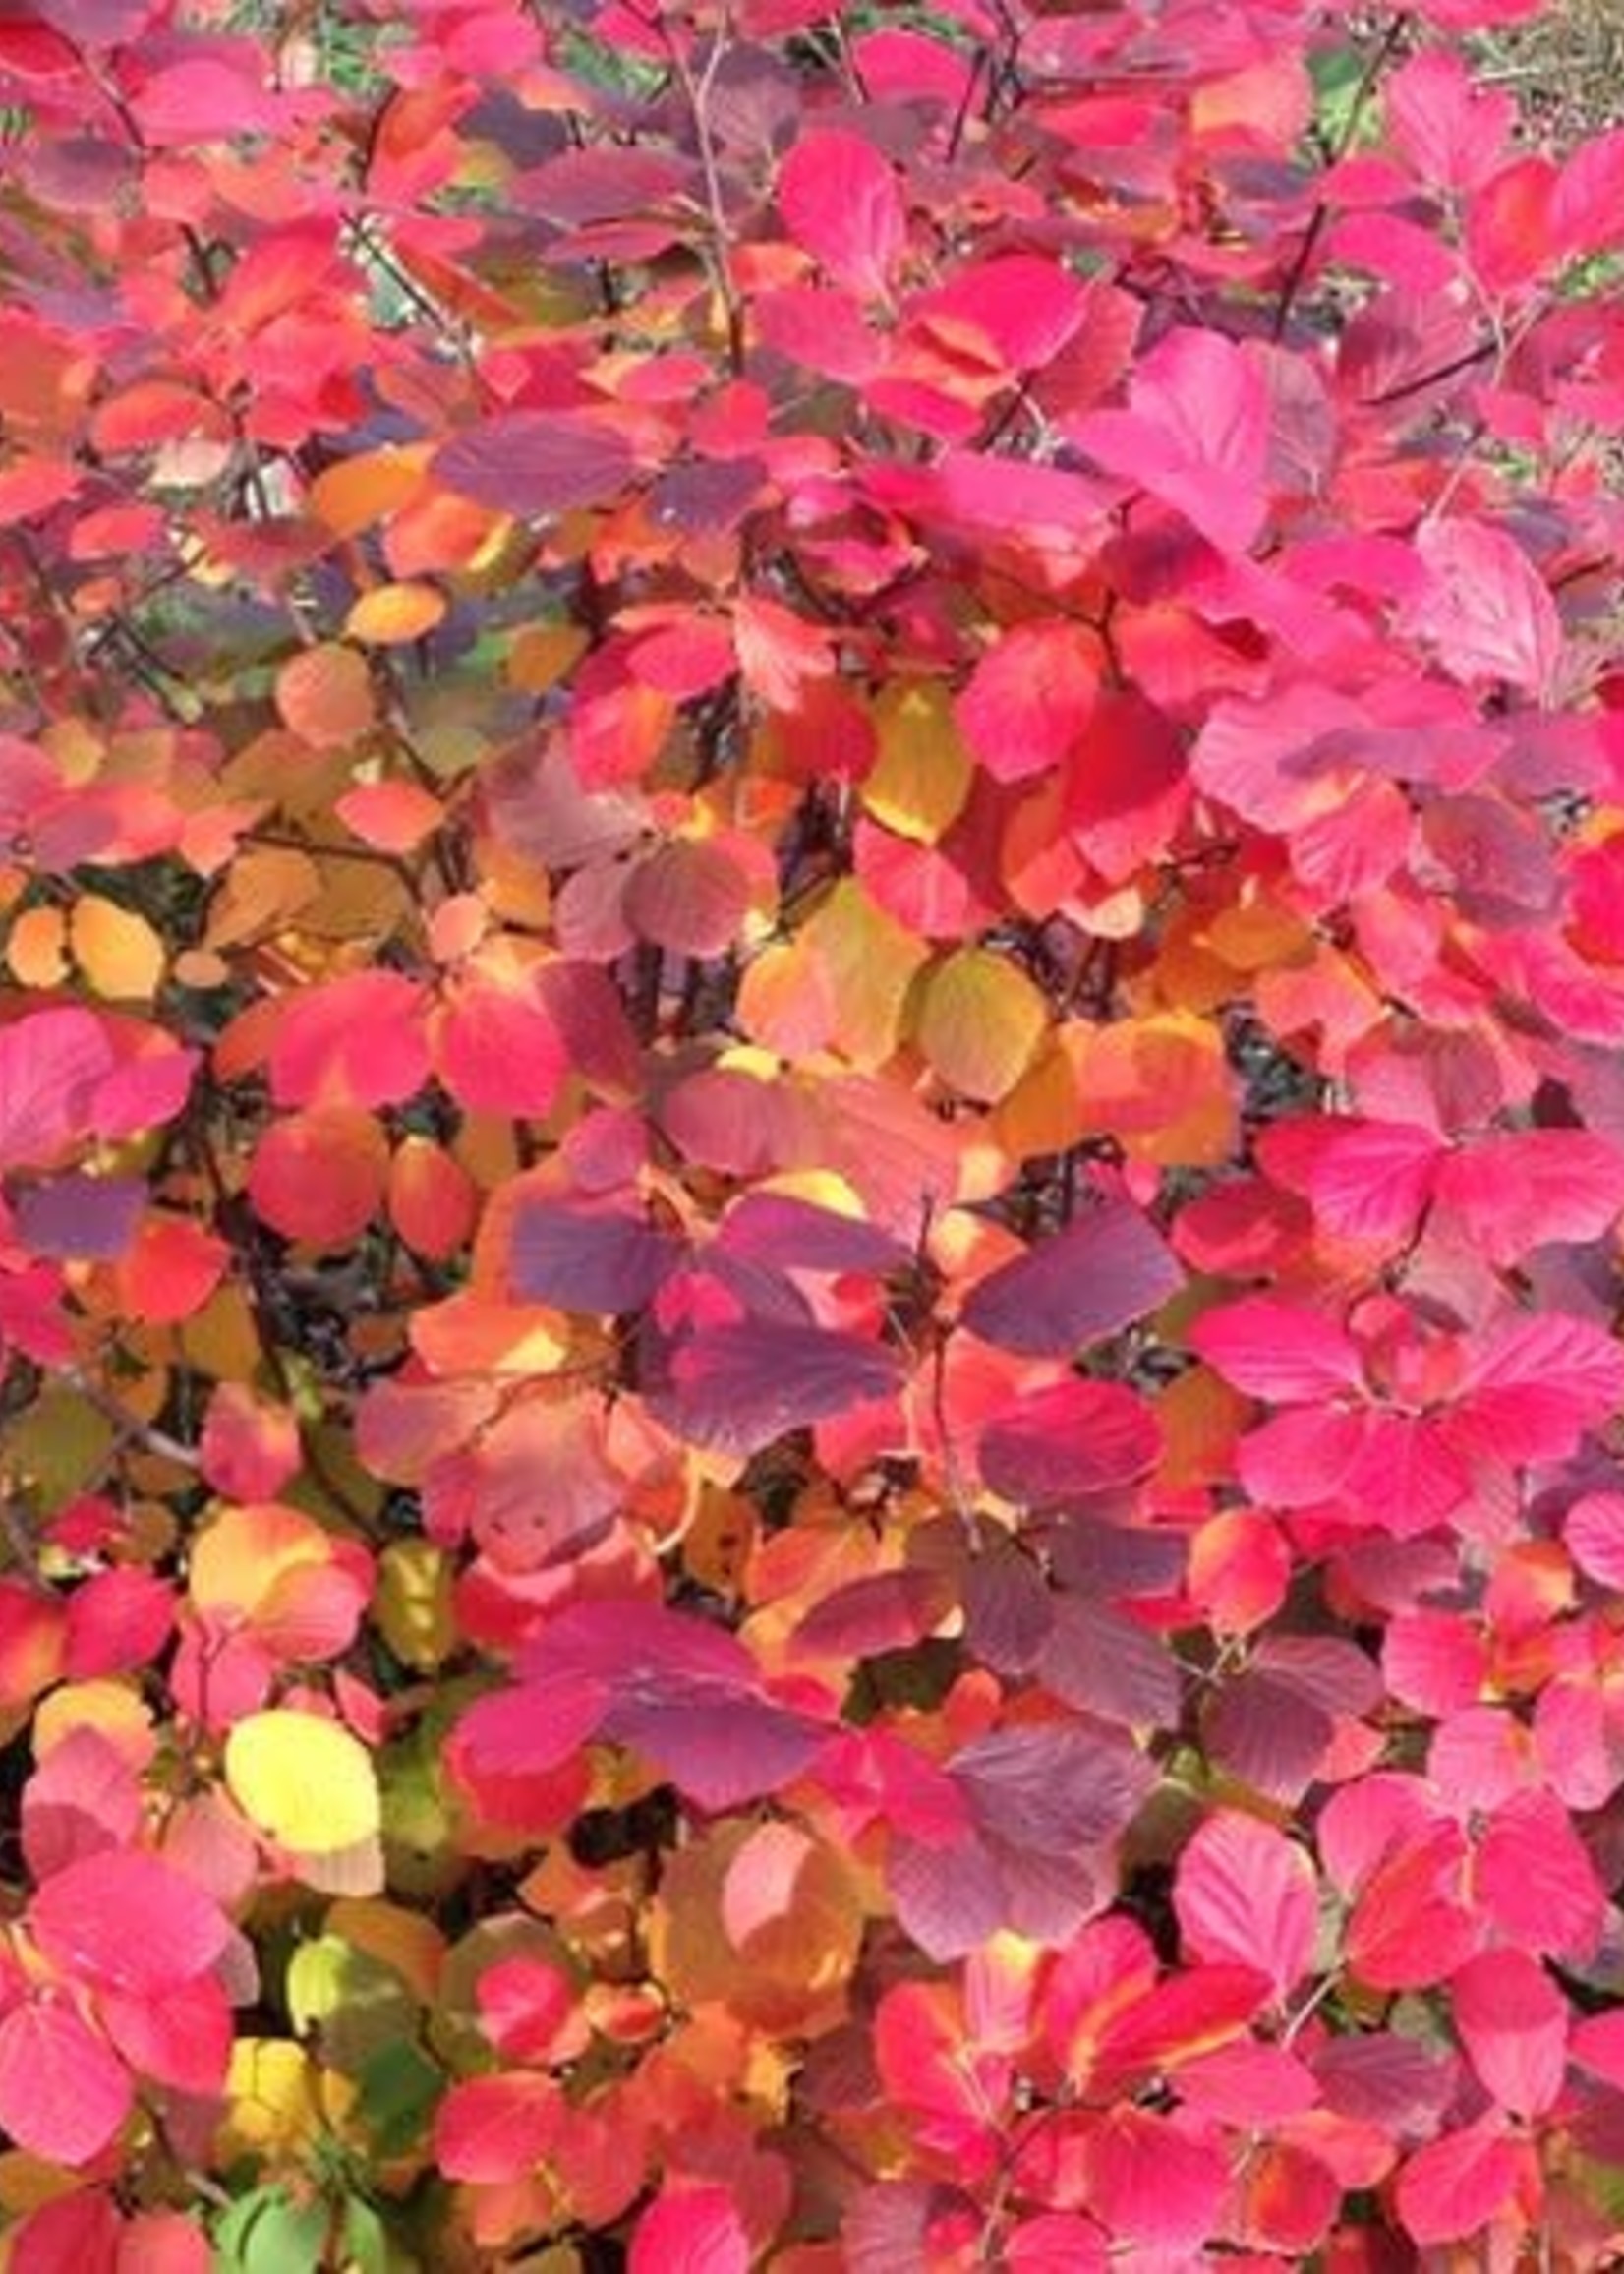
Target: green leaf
[
  {"x": 268, "y": 2233},
  {"x": 399, "y": 2089}
]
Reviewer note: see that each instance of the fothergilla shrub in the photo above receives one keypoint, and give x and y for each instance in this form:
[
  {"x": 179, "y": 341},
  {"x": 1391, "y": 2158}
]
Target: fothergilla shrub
[{"x": 811, "y": 1141}]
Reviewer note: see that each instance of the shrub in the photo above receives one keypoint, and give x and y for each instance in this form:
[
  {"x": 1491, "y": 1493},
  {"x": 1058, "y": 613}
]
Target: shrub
[{"x": 812, "y": 1141}]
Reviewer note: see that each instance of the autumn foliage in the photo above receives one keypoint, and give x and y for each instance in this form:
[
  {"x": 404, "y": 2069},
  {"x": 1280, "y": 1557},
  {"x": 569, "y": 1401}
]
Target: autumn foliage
[{"x": 811, "y": 1142}]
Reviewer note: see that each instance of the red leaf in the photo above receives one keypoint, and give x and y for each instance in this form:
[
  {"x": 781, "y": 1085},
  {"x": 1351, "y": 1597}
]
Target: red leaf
[
  {"x": 1076, "y": 1286},
  {"x": 494, "y": 2129},
  {"x": 1513, "y": 2021},
  {"x": 1029, "y": 700},
  {"x": 358, "y": 1041},
  {"x": 1457, "y": 2185},
  {"x": 1014, "y": 312},
  {"x": 128, "y": 1922},
  {"x": 690, "y": 2231},
  {"x": 181, "y": 2038},
  {"x": 842, "y": 203},
  {"x": 537, "y": 463},
  {"x": 63, "y": 2091},
  {"x": 1245, "y": 1892},
  {"x": 80, "y": 2231}
]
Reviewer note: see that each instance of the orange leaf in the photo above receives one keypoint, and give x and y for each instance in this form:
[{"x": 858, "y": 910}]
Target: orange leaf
[
  {"x": 321, "y": 1176},
  {"x": 324, "y": 695},
  {"x": 396, "y": 614},
  {"x": 351, "y": 496},
  {"x": 118, "y": 950},
  {"x": 392, "y": 816}
]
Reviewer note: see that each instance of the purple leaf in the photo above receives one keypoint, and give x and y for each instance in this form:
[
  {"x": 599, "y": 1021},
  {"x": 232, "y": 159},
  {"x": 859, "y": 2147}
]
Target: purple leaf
[
  {"x": 595, "y": 1259},
  {"x": 1103, "y": 1664},
  {"x": 1089, "y": 1281},
  {"x": 94, "y": 1217},
  {"x": 719, "y": 1748},
  {"x": 1055, "y": 1790},
  {"x": 792, "y": 1234},
  {"x": 537, "y": 462},
  {"x": 735, "y": 1388}
]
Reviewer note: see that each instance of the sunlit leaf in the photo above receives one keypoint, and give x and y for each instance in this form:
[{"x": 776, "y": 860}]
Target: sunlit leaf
[{"x": 304, "y": 1780}]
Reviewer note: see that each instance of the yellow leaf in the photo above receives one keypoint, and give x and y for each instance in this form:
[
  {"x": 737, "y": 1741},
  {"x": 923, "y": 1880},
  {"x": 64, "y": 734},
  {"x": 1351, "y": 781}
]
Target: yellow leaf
[
  {"x": 922, "y": 775},
  {"x": 413, "y": 1603},
  {"x": 394, "y": 614},
  {"x": 270, "y": 2095},
  {"x": 118, "y": 950},
  {"x": 869, "y": 961},
  {"x": 980, "y": 1020},
  {"x": 304, "y": 1780}
]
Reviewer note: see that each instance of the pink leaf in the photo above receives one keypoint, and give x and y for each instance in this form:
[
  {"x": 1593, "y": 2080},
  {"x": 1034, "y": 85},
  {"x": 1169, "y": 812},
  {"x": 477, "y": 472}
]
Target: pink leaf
[
  {"x": 1371, "y": 1180},
  {"x": 1151, "y": 2184},
  {"x": 63, "y": 2092},
  {"x": 1076, "y": 1286},
  {"x": 1534, "y": 1880},
  {"x": 50, "y": 1065},
  {"x": 1247, "y": 1892},
  {"x": 1486, "y": 610},
  {"x": 128, "y": 1922},
  {"x": 1281, "y": 1351},
  {"x": 1513, "y": 2021},
  {"x": 690, "y": 2231},
  {"x": 1599, "y": 2047},
  {"x": 840, "y": 203},
  {"x": 1195, "y": 434},
  {"x": 1593, "y": 1531},
  {"x": 1535, "y": 1386},
  {"x": 357, "y": 1040}
]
